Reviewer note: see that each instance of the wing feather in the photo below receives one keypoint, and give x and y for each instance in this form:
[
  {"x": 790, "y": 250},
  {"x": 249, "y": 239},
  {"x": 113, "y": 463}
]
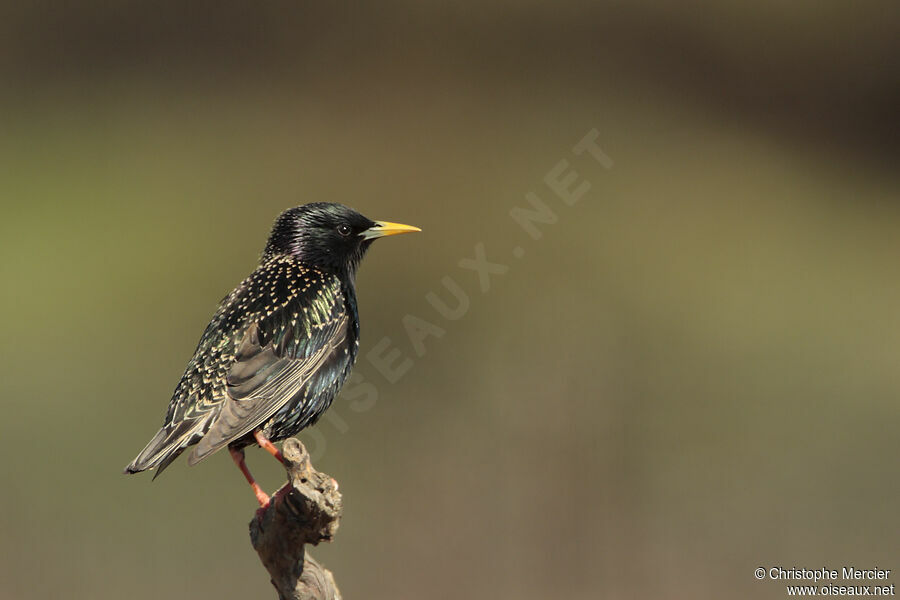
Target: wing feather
[
  {"x": 260, "y": 353},
  {"x": 274, "y": 363}
]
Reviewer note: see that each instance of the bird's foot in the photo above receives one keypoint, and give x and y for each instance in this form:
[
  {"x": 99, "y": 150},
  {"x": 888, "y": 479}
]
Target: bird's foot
[
  {"x": 261, "y": 496},
  {"x": 238, "y": 457},
  {"x": 267, "y": 445}
]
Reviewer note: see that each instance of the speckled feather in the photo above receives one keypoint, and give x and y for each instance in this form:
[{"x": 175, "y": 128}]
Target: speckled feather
[
  {"x": 286, "y": 323},
  {"x": 274, "y": 355}
]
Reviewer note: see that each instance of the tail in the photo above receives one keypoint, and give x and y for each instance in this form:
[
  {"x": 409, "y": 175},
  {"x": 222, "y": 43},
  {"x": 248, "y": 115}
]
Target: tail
[{"x": 166, "y": 445}]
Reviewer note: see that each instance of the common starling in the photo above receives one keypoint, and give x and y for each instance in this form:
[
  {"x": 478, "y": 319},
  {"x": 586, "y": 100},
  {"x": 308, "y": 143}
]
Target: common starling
[{"x": 280, "y": 345}]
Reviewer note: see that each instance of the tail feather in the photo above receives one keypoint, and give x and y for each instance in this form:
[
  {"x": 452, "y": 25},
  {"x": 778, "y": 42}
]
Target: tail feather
[{"x": 165, "y": 447}]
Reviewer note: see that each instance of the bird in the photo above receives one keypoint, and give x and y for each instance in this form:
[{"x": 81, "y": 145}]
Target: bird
[{"x": 278, "y": 348}]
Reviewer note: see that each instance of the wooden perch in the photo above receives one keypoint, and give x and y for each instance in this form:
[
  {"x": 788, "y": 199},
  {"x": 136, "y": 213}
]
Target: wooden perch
[{"x": 305, "y": 511}]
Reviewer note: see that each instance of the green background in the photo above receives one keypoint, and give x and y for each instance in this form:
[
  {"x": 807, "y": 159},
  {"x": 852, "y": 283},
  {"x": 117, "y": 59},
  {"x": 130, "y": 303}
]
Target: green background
[{"x": 693, "y": 373}]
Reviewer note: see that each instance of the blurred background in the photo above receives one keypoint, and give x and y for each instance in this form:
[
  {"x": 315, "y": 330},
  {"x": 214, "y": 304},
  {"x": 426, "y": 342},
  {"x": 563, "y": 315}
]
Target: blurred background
[{"x": 691, "y": 374}]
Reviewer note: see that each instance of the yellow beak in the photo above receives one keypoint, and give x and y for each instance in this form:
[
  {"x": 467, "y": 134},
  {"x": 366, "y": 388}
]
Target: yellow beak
[{"x": 383, "y": 228}]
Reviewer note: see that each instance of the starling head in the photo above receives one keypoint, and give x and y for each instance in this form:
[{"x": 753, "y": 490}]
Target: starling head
[{"x": 327, "y": 235}]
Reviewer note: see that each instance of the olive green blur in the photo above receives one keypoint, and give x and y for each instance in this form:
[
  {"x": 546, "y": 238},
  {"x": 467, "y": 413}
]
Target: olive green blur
[{"x": 691, "y": 373}]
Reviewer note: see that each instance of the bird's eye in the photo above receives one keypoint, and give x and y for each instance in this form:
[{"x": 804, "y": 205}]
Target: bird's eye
[{"x": 344, "y": 229}]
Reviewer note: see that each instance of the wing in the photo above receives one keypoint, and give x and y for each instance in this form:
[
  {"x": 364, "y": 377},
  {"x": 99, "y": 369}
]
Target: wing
[
  {"x": 278, "y": 357},
  {"x": 263, "y": 342}
]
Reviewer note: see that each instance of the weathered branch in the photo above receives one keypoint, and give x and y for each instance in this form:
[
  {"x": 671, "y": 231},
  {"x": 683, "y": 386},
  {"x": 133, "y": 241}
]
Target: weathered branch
[{"x": 305, "y": 511}]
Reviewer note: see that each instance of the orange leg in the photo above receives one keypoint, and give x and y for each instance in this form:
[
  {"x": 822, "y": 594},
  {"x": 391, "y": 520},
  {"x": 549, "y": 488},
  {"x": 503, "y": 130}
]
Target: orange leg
[
  {"x": 268, "y": 446},
  {"x": 238, "y": 457}
]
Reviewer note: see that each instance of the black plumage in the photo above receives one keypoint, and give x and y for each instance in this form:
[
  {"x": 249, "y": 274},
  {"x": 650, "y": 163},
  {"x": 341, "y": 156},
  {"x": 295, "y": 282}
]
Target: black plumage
[{"x": 280, "y": 345}]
